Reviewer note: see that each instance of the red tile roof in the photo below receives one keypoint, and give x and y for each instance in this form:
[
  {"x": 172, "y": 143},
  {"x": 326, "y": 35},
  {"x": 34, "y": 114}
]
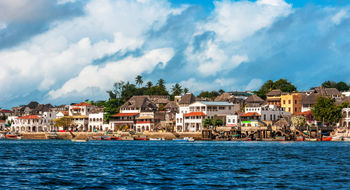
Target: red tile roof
[
  {"x": 250, "y": 114},
  {"x": 5, "y": 111},
  {"x": 82, "y": 104},
  {"x": 2, "y": 121},
  {"x": 195, "y": 114},
  {"x": 75, "y": 108},
  {"x": 305, "y": 113},
  {"x": 140, "y": 122},
  {"x": 29, "y": 117},
  {"x": 124, "y": 114}
]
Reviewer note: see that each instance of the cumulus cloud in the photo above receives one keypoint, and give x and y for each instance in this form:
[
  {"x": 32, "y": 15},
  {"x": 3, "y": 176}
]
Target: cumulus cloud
[{"x": 103, "y": 77}]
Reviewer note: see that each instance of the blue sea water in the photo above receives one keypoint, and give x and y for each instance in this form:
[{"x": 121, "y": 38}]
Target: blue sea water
[{"x": 174, "y": 165}]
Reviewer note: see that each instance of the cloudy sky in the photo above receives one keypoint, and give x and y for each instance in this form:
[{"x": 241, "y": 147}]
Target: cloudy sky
[{"x": 67, "y": 51}]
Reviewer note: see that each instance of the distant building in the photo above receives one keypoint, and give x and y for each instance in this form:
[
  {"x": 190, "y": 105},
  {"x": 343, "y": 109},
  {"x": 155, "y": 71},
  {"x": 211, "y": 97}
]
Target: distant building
[
  {"x": 274, "y": 97},
  {"x": 35, "y": 123},
  {"x": 292, "y": 102}
]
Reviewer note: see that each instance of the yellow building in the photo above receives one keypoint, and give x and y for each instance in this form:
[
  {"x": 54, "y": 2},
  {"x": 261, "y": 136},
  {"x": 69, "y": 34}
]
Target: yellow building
[{"x": 291, "y": 102}]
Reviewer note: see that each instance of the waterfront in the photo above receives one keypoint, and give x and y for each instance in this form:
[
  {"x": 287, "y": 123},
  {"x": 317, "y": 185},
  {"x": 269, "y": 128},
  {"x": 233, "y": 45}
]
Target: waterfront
[{"x": 145, "y": 165}]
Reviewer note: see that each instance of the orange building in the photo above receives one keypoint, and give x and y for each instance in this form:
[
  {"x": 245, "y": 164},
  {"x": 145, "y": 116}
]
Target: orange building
[{"x": 291, "y": 102}]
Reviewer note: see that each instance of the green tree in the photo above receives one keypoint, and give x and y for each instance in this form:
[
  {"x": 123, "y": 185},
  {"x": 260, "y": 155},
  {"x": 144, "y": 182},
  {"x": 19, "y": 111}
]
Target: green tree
[
  {"x": 329, "y": 84},
  {"x": 221, "y": 91},
  {"x": 176, "y": 89},
  {"x": 149, "y": 84},
  {"x": 282, "y": 84},
  {"x": 209, "y": 94},
  {"x": 64, "y": 122},
  {"x": 139, "y": 80},
  {"x": 207, "y": 122},
  {"x": 218, "y": 122},
  {"x": 186, "y": 90},
  {"x": 342, "y": 86},
  {"x": 326, "y": 111}
]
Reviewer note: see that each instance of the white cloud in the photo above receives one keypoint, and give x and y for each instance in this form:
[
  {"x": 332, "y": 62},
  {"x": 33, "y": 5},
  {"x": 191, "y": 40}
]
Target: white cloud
[
  {"x": 3, "y": 26},
  {"x": 234, "y": 21},
  {"x": 61, "y": 2},
  {"x": 339, "y": 16},
  {"x": 254, "y": 84},
  {"x": 68, "y": 49},
  {"x": 104, "y": 77}
]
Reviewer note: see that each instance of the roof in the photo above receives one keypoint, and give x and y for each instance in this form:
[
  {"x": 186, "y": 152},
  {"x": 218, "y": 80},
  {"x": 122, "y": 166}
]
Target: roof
[
  {"x": 2, "y": 121},
  {"x": 140, "y": 122},
  {"x": 195, "y": 114},
  {"x": 251, "y": 114},
  {"x": 80, "y": 117},
  {"x": 327, "y": 91},
  {"x": 5, "y": 111},
  {"x": 254, "y": 99},
  {"x": 124, "y": 114},
  {"x": 139, "y": 102},
  {"x": 305, "y": 113},
  {"x": 275, "y": 92},
  {"x": 76, "y": 108},
  {"x": 310, "y": 99},
  {"x": 171, "y": 105},
  {"x": 188, "y": 98},
  {"x": 82, "y": 104},
  {"x": 217, "y": 103},
  {"x": 224, "y": 97},
  {"x": 145, "y": 117},
  {"x": 29, "y": 117}
]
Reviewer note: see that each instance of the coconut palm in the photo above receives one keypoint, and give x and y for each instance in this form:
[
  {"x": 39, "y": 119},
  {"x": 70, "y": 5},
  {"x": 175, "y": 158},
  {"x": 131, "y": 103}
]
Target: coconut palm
[
  {"x": 177, "y": 89},
  {"x": 139, "y": 80},
  {"x": 149, "y": 84}
]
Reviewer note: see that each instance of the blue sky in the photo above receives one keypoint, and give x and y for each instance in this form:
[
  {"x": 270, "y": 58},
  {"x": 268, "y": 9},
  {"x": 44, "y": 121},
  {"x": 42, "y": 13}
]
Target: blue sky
[{"x": 69, "y": 50}]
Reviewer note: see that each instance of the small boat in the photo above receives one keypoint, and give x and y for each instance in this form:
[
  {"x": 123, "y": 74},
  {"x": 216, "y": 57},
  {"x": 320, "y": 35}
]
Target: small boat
[
  {"x": 52, "y": 136},
  {"x": 347, "y": 139},
  {"x": 2, "y": 136},
  {"x": 106, "y": 137},
  {"x": 325, "y": 139},
  {"x": 337, "y": 138},
  {"x": 127, "y": 138},
  {"x": 115, "y": 138},
  {"x": 80, "y": 140},
  {"x": 279, "y": 139},
  {"x": 157, "y": 139},
  {"x": 142, "y": 138},
  {"x": 185, "y": 139},
  {"x": 98, "y": 138},
  {"x": 300, "y": 138},
  {"x": 13, "y": 137},
  {"x": 310, "y": 139}
]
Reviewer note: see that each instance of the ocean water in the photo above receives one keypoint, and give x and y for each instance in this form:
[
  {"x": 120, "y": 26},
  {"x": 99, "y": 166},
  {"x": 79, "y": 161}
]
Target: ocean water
[{"x": 174, "y": 165}]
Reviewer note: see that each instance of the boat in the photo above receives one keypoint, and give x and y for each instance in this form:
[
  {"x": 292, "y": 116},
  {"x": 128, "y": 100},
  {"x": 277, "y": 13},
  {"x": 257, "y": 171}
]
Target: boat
[
  {"x": 52, "y": 136},
  {"x": 310, "y": 139},
  {"x": 157, "y": 139},
  {"x": 337, "y": 138},
  {"x": 325, "y": 139},
  {"x": 2, "y": 136},
  {"x": 13, "y": 137},
  {"x": 142, "y": 138},
  {"x": 98, "y": 138},
  {"x": 80, "y": 140},
  {"x": 106, "y": 137},
  {"x": 127, "y": 138},
  {"x": 279, "y": 139},
  {"x": 185, "y": 139},
  {"x": 300, "y": 138},
  {"x": 115, "y": 138},
  {"x": 347, "y": 139}
]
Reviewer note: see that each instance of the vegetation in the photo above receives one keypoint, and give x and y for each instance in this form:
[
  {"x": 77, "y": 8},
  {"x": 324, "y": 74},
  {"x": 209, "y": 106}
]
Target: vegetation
[
  {"x": 298, "y": 121},
  {"x": 218, "y": 122},
  {"x": 207, "y": 122},
  {"x": 326, "y": 111},
  {"x": 341, "y": 86},
  {"x": 282, "y": 84},
  {"x": 64, "y": 122},
  {"x": 209, "y": 94}
]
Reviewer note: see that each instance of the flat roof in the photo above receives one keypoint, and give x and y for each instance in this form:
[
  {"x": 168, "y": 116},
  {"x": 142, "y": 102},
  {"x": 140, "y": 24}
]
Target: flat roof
[{"x": 217, "y": 103}]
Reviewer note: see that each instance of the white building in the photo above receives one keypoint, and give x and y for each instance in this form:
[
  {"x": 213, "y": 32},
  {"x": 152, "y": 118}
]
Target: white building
[
  {"x": 96, "y": 122},
  {"x": 190, "y": 118},
  {"x": 232, "y": 120},
  {"x": 35, "y": 123},
  {"x": 346, "y": 117},
  {"x": 80, "y": 114},
  {"x": 145, "y": 122},
  {"x": 268, "y": 113}
]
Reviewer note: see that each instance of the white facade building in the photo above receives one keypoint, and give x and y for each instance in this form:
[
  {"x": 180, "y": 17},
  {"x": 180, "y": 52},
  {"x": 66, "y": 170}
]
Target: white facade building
[
  {"x": 268, "y": 113},
  {"x": 190, "y": 118},
  {"x": 96, "y": 122},
  {"x": 35, "y": 123},
  {"x": 232, "y": 120},
  {"x": 145, "y": 122}
]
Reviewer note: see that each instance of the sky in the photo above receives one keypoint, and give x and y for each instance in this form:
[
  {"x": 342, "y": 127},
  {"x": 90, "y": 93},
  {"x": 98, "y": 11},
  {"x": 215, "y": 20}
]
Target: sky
[{"x": 64, "y": 51}]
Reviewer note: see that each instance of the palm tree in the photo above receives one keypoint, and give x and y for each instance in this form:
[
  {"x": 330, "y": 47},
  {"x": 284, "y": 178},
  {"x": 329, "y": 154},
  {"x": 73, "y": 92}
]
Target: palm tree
[
  {"x": 139, "y": 80},
  {"x": 177, "y": 89},
  {"x": 149, "y": 84},
  {"x": 161, "y": 82},
  {"x": 186, "y": 90}
]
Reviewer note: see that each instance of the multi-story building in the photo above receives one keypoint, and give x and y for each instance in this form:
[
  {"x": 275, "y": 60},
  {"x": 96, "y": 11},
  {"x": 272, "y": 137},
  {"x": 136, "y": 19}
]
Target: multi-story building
[
  {"x": 35, "y": 123},
  {"x": 80, "y": 114},
  {"x": 268, "y": 113},
  {"x": 292, "y": 102},
  {"x": 345, "y": 122},
  {"x": 232, "y": 120},
  {"x": 274, "y": 97},
  {"x": 96, "y": 122},
  {"x": 145, "y": 122},
  {"x": 191, "y": 119}
]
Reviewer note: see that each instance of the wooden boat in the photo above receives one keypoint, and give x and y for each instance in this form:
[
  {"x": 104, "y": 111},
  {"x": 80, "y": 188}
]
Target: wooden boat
[
  {"x": 98, "y": 138},
  {"x": 325, "y": 139},
  {"x": 347, "y": 139},
  {"x": 52, "y": 136},
  {"x": 157, "y": 139},
  {"x": 2, "y": 136},
  {"x": 115, "y": 138},
  {"x": 279, "y": 139},
  {"x": 80, "y": 140},
  {"x": 106, "y": 137},
  {"x": 13, "y": 137},
  {"x": 300, "y": 138},
  {"x": 310, "y": 139},
  {"x": 127, "y": 138},
  {"x": 142, "y": 138}
]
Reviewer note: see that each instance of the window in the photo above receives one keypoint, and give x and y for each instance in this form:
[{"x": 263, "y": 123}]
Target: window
[
  {"x": 295, "y": 109},
  {"x": 289, "y": 101},
  {"x": 229, "y": 121},
  {"x": 233, "y": 121},
  {"x": 264, "y": 117},
  {"x": 288, "y": 109},
  {"x": 295, "y": 102},
  {"x": 284, "y": 102}
]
